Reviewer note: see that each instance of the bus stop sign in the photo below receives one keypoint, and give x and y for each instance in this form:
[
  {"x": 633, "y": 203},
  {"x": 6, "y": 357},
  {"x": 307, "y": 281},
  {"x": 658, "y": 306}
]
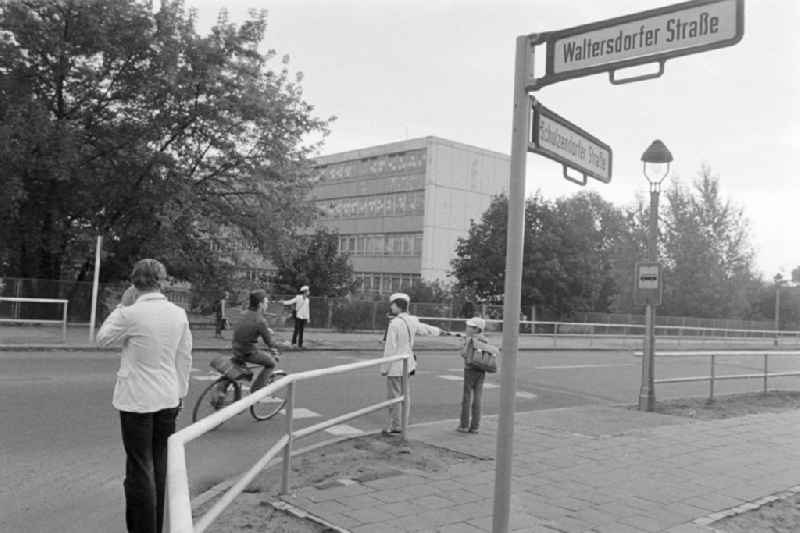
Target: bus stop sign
[{"x": 649, "y": 284}]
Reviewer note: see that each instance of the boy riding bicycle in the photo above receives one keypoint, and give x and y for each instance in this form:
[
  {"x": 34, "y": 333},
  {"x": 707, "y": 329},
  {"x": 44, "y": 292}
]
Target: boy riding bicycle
[{"x": 249, "y": 328}]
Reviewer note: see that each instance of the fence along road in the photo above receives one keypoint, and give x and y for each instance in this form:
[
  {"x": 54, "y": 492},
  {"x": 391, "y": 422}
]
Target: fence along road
[{"x": 179, "y": 506}]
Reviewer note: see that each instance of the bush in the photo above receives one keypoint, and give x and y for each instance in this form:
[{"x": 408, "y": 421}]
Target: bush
[{"x": 349, "y": 316}]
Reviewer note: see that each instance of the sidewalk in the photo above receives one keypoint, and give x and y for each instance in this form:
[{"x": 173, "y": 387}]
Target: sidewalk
[{"x": 588, "y": 469}]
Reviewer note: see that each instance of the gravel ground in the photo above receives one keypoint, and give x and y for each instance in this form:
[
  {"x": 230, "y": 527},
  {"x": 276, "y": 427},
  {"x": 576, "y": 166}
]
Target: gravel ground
[
  {"x": 731, "y": 405},
  {"x": 360, "y": 459},
  {"x": 780, "y": 516}
]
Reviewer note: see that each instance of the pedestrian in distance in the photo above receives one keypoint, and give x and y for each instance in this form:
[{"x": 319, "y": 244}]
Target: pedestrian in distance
[
  {"x": 474, "y": 339},
  {"x": 221, "y": 315},
  {"x": 152, "y": 381},
  {"x": 400, "y": 334},
  {"x": 302, "y": 314}
]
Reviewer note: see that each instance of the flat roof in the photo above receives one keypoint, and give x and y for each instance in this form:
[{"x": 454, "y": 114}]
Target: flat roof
[{"x": 401, "y": 146}]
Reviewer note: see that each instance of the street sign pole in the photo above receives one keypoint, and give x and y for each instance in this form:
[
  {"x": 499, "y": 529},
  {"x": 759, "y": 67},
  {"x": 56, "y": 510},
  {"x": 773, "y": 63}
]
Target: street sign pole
[{"x": 523, "y": 69}]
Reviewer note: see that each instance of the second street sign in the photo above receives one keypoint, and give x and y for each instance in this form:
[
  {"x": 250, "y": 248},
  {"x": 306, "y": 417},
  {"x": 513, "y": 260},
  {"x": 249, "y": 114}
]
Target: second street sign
[
  {"x": 556, "y": 138},
  {"x": 646, "y": 37}
]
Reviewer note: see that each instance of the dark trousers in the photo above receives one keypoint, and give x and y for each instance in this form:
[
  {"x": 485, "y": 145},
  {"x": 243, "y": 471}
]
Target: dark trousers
[
  {"x": 473, "y": 391},
  {"x": 297, "y": 335},
  {"x": 144, "y": 436},
  {"x": 263, "y": 359}
]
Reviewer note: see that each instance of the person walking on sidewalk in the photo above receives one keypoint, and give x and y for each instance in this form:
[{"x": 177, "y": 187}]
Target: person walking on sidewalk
[
  {"x": 400, "y": 334},
  {"x": 302, "y": 314},
  {"x": 473, "y": 376},
  {"x": 221, "y": 315},
  {"x": 152, "y": 381}
]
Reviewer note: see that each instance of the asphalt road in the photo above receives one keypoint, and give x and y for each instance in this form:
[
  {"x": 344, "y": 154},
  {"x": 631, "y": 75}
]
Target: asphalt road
[{"x": 61, "y": 457}]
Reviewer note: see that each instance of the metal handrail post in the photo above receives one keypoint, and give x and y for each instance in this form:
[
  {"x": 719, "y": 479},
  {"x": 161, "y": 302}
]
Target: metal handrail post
[
  {"x": 405, "y": 406},
  {"x": 766, "y": 368},
  {"x": 711, "y": 387},
  {"x": 64, "y": 325},
  {"x": 287, "y": 450}
]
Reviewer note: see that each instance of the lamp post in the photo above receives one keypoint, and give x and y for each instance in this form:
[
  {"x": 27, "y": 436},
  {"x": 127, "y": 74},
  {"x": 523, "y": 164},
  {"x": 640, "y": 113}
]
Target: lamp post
[
  {"x": 655, "y": 165},
  {"x": 778, "y": 280}
]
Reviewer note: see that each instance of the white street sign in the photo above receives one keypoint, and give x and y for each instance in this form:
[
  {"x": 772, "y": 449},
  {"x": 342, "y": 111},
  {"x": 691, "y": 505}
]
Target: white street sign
[
  {"x": 648, "y": 277},
  {"x": 557, "y": 138}
]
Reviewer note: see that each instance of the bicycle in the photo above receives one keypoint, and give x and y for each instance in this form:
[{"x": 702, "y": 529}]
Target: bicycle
[{"x": 213, "y": 399}]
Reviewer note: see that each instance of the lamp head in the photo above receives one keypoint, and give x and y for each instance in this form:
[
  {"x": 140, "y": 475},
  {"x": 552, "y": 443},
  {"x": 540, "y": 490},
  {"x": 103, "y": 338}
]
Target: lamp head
[{"x": 656, "y": 160}]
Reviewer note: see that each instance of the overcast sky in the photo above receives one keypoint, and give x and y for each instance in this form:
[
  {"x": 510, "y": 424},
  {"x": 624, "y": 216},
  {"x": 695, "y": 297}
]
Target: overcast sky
[{"x": 391, "y": 70}]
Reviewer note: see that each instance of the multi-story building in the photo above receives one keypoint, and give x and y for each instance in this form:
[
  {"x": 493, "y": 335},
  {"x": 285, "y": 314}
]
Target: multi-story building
[{"x": 399, "y": 208}]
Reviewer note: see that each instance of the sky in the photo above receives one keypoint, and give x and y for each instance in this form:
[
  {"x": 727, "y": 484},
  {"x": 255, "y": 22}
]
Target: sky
[{"x": 391, "y": 70}]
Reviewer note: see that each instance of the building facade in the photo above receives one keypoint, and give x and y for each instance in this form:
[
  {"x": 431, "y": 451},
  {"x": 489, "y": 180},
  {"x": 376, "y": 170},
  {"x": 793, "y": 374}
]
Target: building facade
[{"x": 399, "y": 208}]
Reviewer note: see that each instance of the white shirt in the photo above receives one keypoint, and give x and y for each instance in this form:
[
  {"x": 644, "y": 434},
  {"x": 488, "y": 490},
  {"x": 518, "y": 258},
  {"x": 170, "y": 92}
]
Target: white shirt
[
  {"x": 301, "y": 306},
  {"x": 398, "y": 341},
  {"x": 156, "y": 353}
]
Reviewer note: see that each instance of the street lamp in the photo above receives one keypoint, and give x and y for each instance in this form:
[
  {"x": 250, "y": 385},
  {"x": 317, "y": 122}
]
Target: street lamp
[
  {"x": 655, "y": 167},
  {"x": 778, "y": 281}
]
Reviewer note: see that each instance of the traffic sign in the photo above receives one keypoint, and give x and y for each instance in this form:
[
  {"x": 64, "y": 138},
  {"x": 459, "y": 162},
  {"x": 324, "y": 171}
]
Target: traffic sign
[
  {"x": 649, "y": 286},
  {"x": 650, "y": 36},
  {"x": 559, "y": 139}
]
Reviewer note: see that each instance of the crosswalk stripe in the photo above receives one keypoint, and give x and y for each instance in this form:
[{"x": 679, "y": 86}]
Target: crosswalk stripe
[
  {"x": 208, "y": 377},
  {"x": 302, "y": 412},
  {"x": 343, "y": 429}
]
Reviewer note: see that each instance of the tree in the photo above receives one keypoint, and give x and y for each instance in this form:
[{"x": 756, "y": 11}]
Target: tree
[
  {"x": 707, "y": 252},
  {"x": 314, "y": 260},
  {"x": 120, "y": 122},
  {"x": 570, "y": 250}
]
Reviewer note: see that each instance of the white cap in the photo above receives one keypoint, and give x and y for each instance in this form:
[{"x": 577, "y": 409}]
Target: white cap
[
  {"x": 399, "y": 296},
  {"x": 477, "y": 322},
  {"x": 304, "y": 288}
]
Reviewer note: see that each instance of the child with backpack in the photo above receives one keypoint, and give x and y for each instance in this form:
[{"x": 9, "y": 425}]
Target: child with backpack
[{"x": 479, "y": 357}]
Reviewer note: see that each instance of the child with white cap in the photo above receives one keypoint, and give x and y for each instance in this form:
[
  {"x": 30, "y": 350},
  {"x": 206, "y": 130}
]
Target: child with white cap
[{"x": 473, "y": 376}]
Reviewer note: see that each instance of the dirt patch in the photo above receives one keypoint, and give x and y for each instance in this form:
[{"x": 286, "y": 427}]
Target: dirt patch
[
  {"x": 362, "y": 459},
  {"x": 779, "y": 516},
  {"x": 732, "y": 405},
  {"x": 356, "y": 460}
]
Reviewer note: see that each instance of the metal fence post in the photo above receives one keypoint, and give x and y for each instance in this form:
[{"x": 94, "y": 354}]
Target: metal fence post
[
  {"x": 766, "y": 367},
  {"x": 711, "y": 387},
  {"x": 405, "y": 405},
  {"x": 287, "y": 450},
  {"x": 64, "y": 324},
  {"x": 374, "y": 315}
]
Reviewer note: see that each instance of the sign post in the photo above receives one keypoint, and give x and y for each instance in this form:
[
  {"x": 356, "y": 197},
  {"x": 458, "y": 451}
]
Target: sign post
[
  {"x": 608, "y": 46},
  {"x": 512, "y": 297}
]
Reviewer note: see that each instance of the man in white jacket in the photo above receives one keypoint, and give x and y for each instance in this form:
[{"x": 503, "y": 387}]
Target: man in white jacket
[
  {"x": 152, "y": 380},
  {"x": 400, "y": 341}
]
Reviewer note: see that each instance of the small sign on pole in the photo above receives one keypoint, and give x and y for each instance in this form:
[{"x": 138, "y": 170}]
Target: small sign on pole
[{"x": 649, "y": 284}]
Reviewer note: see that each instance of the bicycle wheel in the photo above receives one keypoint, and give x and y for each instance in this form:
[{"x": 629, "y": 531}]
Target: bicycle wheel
[
  {"x": 213, "y": 399},
  {"x": 271, "y": 405}
]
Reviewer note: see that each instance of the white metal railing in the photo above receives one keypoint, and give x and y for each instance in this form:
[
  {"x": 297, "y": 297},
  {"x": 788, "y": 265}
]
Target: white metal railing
[
  {"x": 599, "y": 330},
  {"x": 178, "y": 505},
  {"x": 764, "y": 375},
  {"x": 63, "y": 321}
]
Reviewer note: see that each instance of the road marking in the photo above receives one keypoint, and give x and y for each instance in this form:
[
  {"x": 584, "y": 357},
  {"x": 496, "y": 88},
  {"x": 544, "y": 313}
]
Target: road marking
[
  {"x": 302, "y": 412},
  {"x": 568, "y": 367},
  {"x": 209, "y": 377},
  {"x": 196, "y": 369},
  {"x": 452, "y": 378},
  {"x": 526, "y": 395},
  {"x": 343, "y": 429}
]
